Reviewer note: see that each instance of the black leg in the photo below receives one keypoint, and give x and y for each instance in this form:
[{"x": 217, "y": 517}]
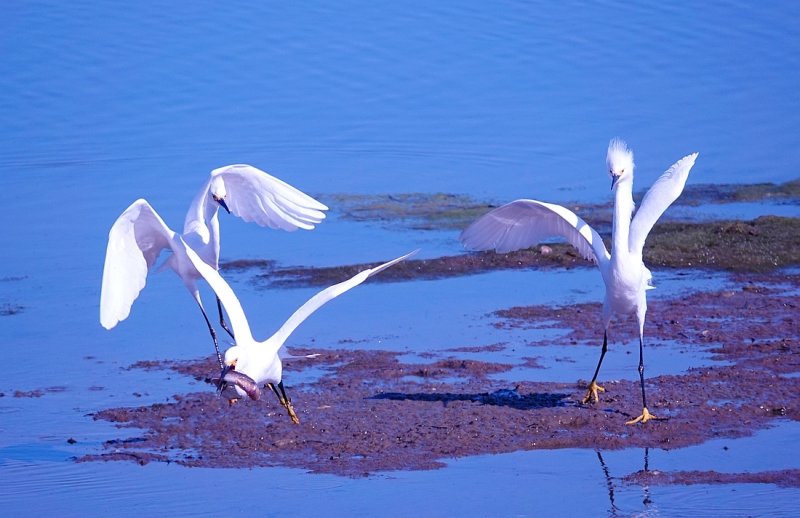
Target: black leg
[
  {"x": 281, "y": 400},
  {"x": 602, "y": 355},
  {"x": 283, "y": 393},
  {"x": 641, "y": 370},
  {"x": 222, "y": 319},
  {"x": 213, "y": 337},
  {"x": 594, "y": 388},
  {"x": 284, "y": 400}
]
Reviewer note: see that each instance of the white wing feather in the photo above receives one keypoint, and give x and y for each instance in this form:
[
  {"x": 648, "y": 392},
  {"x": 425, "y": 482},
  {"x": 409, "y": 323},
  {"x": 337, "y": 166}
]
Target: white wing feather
[
  {"x": 134, "y": 242},
  {"x": 233, "y": 307},
  {"x": 664, "y": 191},
  {"x": 256, "y": 196},
  {"x": 326, "y": 295},
  {"x": 236, "y": 316},
  {"x": 524, "y": 223}
]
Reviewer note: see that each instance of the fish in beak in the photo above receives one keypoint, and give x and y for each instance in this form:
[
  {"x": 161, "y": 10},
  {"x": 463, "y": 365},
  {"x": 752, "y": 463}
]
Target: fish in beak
[{"x": 244, "y": 382}]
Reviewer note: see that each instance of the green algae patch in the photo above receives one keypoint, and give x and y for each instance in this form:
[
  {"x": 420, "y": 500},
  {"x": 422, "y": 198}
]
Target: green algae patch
[
  {"x": 420, "y": 211},
  {"x": 764, "y": 244},
  {"x": 733, "y": 193},
  {"x": 442, "y": 211},
  {"x": 761, "y": 245}
]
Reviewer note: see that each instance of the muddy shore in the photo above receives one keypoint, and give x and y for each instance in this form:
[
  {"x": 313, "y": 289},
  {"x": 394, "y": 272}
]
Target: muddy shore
[
  {"x": 761, "y": 245},
  {"x": 369, "y": 412}
]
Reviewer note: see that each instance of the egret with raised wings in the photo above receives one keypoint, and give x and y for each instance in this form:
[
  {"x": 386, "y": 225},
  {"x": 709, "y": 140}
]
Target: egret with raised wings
[
  {"x": 250, "y": 364},
  {"x": 524, "y": 223},
  {"x": 139, "y": 235}
]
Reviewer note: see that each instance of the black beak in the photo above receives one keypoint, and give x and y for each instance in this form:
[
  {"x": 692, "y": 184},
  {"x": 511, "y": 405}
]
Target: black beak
[
  {"x": 221, "y": 384},
  {"x": 614, "y": 179},
  {"x": 221, "y": 201}
]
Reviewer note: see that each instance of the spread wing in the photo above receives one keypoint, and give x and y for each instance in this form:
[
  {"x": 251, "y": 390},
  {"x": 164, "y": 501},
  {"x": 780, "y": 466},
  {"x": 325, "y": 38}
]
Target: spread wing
[
  {"x": 525, "y": 223},
  {"x": 326, "y": 295},
  {"x": 238, "y": 320},
  {"x": 256, "y": 196},
  {"x": 664, "y": 191},
  {"x": 134, "y": 243}
]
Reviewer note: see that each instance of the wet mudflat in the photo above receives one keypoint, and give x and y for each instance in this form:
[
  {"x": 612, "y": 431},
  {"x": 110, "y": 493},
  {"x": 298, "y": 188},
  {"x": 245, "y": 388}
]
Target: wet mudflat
[
  {"x": 368, "y": 411},
  {"x": 763, "y": 244}
]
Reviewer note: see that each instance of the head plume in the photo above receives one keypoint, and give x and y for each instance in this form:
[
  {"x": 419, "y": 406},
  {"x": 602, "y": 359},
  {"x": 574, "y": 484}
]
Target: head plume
[{"x": 619, "y": 157}]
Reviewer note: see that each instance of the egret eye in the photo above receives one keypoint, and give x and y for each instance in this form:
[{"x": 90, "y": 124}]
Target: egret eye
[{"x": 621, "y": 171}]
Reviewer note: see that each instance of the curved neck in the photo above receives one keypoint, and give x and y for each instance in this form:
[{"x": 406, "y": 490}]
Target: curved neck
[
  {"x": 201, "y": 227},
  {"x": 200, "y": 211},
  {"x": 623, "y": 211}
]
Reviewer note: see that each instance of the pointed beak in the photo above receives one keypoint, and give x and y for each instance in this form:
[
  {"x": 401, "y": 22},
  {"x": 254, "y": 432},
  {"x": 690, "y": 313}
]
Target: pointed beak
[
  {"x": 221, "y": 201},
  {"x": 222, "y": 383},
  {"x": 614, "y": 178}
]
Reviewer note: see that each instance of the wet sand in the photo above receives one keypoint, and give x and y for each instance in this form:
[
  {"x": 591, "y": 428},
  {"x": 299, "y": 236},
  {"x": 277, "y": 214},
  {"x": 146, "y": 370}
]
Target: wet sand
[{"x": 369, "y": 412}]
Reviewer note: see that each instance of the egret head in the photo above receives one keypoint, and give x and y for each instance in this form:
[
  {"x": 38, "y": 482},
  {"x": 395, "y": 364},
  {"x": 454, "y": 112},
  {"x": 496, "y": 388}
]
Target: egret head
[
  {"x": 619, "y": 161},
  {"x": 218, "y": 192},
  {"x": 232, "y": 356}
]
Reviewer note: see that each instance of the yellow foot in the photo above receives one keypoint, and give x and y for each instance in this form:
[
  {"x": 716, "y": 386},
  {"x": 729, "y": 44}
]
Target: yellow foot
[
  {"x": 591, "y": 394},
  {"x": 292, "y": 414},
  {"x": 646, "y": 416}
]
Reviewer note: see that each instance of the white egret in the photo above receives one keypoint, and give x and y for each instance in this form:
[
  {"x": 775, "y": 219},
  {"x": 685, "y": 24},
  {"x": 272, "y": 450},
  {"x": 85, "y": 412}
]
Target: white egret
[
  {"x": 139, "y": 235},
  {"x": 524, "y": 223},
  {"x": 258, "y": 363}
]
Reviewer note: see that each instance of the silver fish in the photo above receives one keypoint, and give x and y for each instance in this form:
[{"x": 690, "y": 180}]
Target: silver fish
[{"x": 244, "y": 382}]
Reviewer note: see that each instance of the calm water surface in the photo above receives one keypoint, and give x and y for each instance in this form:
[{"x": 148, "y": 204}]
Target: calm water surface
[{"x": 496, "y": 100}]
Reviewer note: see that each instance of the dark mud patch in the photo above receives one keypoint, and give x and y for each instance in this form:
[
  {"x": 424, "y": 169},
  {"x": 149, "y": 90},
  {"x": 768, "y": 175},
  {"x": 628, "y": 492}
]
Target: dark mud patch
[
  {"x": 781, "y": 478},
  {"x": 37, "y": 393},
  {"x": 557, "y": 255},
  {"x": 492, "y": 348},
  {"x": 761, "y": 245},
  {"x": 370, "y": 412}
]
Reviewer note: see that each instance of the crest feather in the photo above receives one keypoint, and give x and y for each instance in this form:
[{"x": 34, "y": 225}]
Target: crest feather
[{"x": 619, "y": 154}]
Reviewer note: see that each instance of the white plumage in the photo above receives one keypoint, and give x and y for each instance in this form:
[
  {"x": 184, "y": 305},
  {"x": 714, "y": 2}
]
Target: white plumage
[
  {"x": 260, "y": 360},
  {"x": 139, "y": 235},
  {"x": 524, "y": 223}
]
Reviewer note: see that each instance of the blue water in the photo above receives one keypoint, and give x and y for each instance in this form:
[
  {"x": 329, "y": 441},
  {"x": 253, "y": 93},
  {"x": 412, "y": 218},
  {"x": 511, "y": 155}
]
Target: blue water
[{"x": 103, "y": 103}]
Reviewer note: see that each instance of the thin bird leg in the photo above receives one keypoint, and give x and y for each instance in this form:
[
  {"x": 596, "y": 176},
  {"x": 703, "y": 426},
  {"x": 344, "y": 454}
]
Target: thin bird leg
[
  {"x": 284, "y": 401},
  {"x": 280, "y": 398},
  {"x": 222, "y": 319},
  {"x": 213, "y": 336},
  {"x": 646, "y": 415},
  {"x": 594, "y": 388}
]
